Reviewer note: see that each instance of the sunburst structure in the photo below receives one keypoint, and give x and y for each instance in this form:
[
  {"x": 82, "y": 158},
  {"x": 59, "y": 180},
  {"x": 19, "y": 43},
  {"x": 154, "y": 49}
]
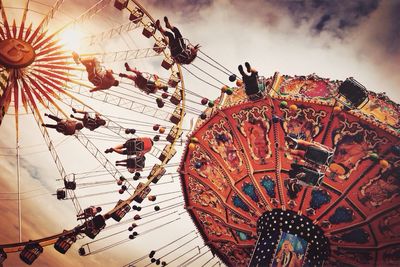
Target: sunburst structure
[{"x": 35, "y": 65}]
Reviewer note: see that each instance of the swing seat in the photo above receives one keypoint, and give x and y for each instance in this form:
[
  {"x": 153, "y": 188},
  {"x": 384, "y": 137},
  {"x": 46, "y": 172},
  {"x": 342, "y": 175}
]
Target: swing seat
[{"x": 183, "y": 55}]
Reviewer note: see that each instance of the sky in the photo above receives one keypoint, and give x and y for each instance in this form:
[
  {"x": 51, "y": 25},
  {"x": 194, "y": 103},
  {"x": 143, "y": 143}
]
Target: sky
[{"x": 333, "y": 39}]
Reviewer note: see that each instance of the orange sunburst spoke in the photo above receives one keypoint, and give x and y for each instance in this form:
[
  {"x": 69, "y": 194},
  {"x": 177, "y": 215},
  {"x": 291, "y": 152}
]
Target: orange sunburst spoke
[
  {"x": 31, "y": 98},
  {"x": 55, "y": 61},
  {"x": 5, "y": 22},
  {"x": 14, "y": 29},
  {"x": 2, "y": 33},
  {"x": 21, "y": 30},
  {"x": 16, "y": 96},
  {"x": 16, "y": 103},
  {"x": 45, "y": 94},
  {"x": 40, "y": 86},
  {"x": 44, "y": 85},
  {"x": 29, "y": 92},
  {"x": 40, "y": 37},
  {"x": 24, "y": 100},
  {"x": 5, "y": 99},
  {"x": 34, "y": 34},
  {"x": 57, "y": 67},
  {"x": 48, "y": 51},
  {"x": 37, "y": 45},
  {"x": 28, "y": 32},
  {"x": 48, "y": 59},
  {"x": 50, "y": 44},
  {"x": 55, "y": 75},
  {"x": 52, "y": 83}
]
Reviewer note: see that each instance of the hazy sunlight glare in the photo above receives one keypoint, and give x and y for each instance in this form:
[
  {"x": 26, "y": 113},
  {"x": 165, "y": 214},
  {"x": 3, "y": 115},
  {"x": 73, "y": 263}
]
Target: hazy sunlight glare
[{"x": 71, "y": 38}]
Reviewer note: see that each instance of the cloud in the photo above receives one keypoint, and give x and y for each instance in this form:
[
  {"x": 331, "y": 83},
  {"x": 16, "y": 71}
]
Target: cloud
[
  {"x": 39, "y": 219},
  {"x": 336, "y": 39},
  {"x": 187, "y": 8},
  {"x": 332, "y": 16}
]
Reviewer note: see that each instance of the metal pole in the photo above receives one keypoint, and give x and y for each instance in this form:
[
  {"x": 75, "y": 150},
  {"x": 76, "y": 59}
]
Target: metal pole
[{"x": 19, "y": 194}]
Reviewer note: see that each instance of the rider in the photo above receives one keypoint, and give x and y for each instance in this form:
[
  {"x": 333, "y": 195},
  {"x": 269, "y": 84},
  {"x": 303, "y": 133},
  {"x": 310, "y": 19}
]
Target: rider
[
  {"x": 101, "y": 78},
  {"x": 250, "y": 81},
  {"x": 89, "y": 122},
  {"x": 135, "y": 146},
  {"x": 179, "y": 51},
  {"x": 316, "y": 153},
  {"x": 132, "y": 164},
  {"x": 146, "y": 85},
  {"x": 88, "y": 212},
  {"x": 64, "y": 126}
]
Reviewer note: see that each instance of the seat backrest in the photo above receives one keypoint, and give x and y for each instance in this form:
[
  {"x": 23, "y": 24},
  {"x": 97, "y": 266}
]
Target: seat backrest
[{"x": 354, "y": 92}]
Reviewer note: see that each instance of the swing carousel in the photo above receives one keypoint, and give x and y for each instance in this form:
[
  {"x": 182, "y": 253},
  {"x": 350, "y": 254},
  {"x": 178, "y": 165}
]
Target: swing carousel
[{"x": 301, "y": 172}]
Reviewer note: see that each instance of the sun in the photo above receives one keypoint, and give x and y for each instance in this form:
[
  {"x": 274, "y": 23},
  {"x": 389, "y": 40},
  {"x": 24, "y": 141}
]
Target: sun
[{"x": 70, "y": 38}]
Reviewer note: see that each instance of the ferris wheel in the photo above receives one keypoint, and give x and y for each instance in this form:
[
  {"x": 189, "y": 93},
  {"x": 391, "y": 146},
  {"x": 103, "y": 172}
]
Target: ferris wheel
[{"x": 52, "y": 83}]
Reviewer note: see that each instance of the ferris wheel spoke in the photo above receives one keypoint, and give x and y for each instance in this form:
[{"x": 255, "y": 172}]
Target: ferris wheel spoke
[
  {"x": 53, "y": 152},
  {"x": 55, "y": 84},
  {"x": 16, "y": 102},
  {"x": 28, "y": 32},
  {"x": 72, "y": 101},
  {"x": 107, "y": 165},
  {"x": 23, "y": 20},
  {"x": 5, "y": 99},
  {"x": 38, "y": 43},
  {"x": 52, "y": 51},
  {"x": 91, "y": 147},
  {"x": 39, "y": 38},
  {"x": 34, "y": 34},
  {"x": 2, "y": 35},
  {"x": 89, "y": 13},
  {"x": 51, "y": 13},
  {"x": 111, "y": 33},
  {"x": 57, "y": 66},
  {"x": 30, "y": 91},
  {"x": 14, "y": 29},
  {"x": 125, "y": 55},
  {"x": 5, "y": 21},
  {"x": 63, "y": 76},
  {"x": 125, "y": 103},
  {"x": 24, "y": 100},
  {"x": 45, "y": 94},
  {"x": 53, "y": 58}
]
